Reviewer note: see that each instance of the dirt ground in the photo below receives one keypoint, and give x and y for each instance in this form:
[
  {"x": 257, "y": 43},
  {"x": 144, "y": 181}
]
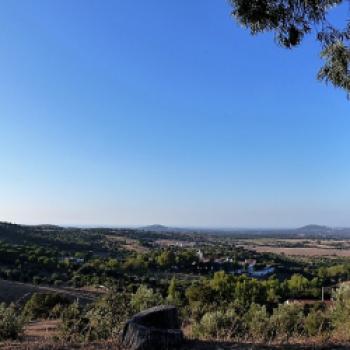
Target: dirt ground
[
  {"x": 41, "y": 330},
  {"x": 193, "y": 346},
  {"x": 129, "y": 244},
  {"x": 39, "y": 335},
  {"x": 202, "y": 345},
  {"x": 311, "y": 248}
]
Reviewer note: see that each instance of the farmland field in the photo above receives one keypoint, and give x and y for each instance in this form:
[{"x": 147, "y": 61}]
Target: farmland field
[
  {"x": 299, "y": 247},
  {"x": 131, "y": 245}
]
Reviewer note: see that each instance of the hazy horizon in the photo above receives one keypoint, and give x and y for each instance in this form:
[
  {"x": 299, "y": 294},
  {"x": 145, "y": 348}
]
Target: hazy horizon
[
  {"x": 165, "y": 112},
  {"x": 192, "y": 227}
]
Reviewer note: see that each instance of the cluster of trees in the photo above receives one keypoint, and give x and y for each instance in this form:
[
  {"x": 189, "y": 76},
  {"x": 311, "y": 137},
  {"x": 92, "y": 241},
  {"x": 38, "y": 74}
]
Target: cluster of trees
[
  {"x": 222, "y": 307},
  {"x": 63, "y": 239},
  {"x": 37, "y": 264},
  {"x": 161, "y": 259},
  {"x": 334, "y": 273},
  {"x": 283, "y": 322},
  {"x": 223, "y": 289}
]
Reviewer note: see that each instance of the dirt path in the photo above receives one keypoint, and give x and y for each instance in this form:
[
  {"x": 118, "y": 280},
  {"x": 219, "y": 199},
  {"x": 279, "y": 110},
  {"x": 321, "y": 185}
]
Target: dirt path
[
  {"x": 12, "y": 291},
  {"x": 41, "y": 330}
]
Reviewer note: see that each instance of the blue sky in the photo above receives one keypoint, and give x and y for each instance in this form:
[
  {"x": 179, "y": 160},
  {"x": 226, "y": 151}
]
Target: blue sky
[{"x": 139, "y": 112}]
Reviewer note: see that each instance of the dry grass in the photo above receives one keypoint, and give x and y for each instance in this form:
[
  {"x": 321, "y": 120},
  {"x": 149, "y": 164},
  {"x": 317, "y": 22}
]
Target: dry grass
[
  {"x": 291, "y": 247},
  {"x": 132, "y": 245},
  {"x": 43, "y": 335},
  {"x": 41, "y": 330},
  {"x": 316, "y": 251},
  {"x": 40, "y": 335}
]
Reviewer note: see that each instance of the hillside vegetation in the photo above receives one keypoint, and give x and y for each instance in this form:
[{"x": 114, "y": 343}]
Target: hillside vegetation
[{"x": 87, "y": 282}]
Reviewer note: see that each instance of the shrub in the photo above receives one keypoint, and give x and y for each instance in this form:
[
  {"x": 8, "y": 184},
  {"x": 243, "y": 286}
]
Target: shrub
[
  {"x": 145, "y": 298},
  {"x": 174, "y": 297},
  {"x": 43, "y": 305},
  {"x": 316, "y": 322},
  {"x": 341, "y": 313},
  {"x": 287, "y": 321},
  {"x": 107, "y": 316},
  {"x": 102, "y": 320},
  {"x": 74, "y": 324},
  {"x": 257, "y": 322},
  {"x": 219, "y": 325},
  {"x": 210, "y": 324},
  {"x": 10, "y": 323}
]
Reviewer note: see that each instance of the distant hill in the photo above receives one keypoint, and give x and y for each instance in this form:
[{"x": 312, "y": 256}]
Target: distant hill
[
  {"x": 315, "y": 228},
  {"x": 320, "y": 230},
  {"x": 46, "y": 227},
  {"x": 155, "y": 228}
]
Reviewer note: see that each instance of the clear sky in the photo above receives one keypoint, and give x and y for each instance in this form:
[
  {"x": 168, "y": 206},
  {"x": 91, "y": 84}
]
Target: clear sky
[{"x": 139, "y": 112}]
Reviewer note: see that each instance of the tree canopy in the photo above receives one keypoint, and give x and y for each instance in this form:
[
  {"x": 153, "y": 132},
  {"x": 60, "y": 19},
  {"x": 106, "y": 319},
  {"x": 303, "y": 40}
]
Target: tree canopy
[{"x": 291, "y": 20}]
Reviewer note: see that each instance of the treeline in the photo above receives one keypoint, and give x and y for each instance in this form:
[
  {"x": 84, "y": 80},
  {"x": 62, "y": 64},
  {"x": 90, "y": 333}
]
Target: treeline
[
  {"x": 68, "y": 239},
  {"x": 49, "y": 265}
]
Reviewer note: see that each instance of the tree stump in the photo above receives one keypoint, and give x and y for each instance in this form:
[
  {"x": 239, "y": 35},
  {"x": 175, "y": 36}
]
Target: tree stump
[{"x": 153, "y": 329}]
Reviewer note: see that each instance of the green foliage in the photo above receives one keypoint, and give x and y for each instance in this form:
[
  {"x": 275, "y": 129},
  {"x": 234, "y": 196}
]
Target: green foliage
[
  {"x": 145, "y": 298},
  {"x": 211, "y": 323},
  {"x": 297, "y": 285},
  {"x": 174, "y": 296},
  {"x": 166, "y": 258},
  {"x": 274, "y": 290},
  {"x": 291, "y": 21},
  {"x": 74, "y": 325},
  {"x": 220, "y": 283},
  {"x": 137, "y": 263},
  {"x": 218, "y": 324},
  {"x": 10, "y": 323},
  {"x": 104, "y": 319},
  {"x": 337, "y": 67},
  {"x": 42, "y": 306},
  {"x": 258, "y": 323},
  {"x": 341, "y": 312},
  {"x": 287, "y": 321},
  {"x": 317, "y": 322},
  {"x": 107, "y": 316},
  {"x": 248, "y": 291}
]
